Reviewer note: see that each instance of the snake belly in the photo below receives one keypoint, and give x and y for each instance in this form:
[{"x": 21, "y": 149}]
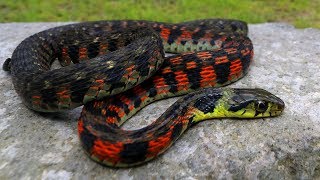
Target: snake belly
[{"x": 124, "y": 61}]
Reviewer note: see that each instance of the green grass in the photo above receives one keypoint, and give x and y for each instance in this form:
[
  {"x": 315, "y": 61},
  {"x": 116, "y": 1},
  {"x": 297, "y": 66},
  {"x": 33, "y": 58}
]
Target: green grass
[{"x": 301, "y": 13}]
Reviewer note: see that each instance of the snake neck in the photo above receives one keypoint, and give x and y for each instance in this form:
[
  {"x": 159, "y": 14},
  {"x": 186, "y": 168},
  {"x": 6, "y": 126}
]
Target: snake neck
[{"x": 144, "y": 144}]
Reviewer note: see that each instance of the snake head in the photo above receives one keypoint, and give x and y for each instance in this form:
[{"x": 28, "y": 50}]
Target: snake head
[{"x": 253, "y": 103}]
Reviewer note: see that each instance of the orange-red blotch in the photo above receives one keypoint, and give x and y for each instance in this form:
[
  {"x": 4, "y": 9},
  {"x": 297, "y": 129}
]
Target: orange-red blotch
[
  {"x": 65, "y": 55},
  {"x": 161, "y": 85},
  {"x": 246, "y": 52},
  {"x": 142, "y": 93},
  {"x": 98, "y": 85},
  {"x": 182, "y": 80},
  {"x": 221, "y": 60},
  {"x": 107, "y": 151},
  {"x": 111, "y": 120},
  {"x": 103, "y": 48},
  {"x": 36, "y": 97},
  {"x": 139, "y": 90},
  {"x": 235, "y": 69},
  {"x": 36, "y": 100},
  {"x": 129, "y": 71},
  {"x": 186, "y": 35},
  {"x": 191, "y": 65},
  {"x": 83, "y": 53},
  {"x": 176, "y": 61},
  {"x": 99, "y": 81},
  {"x": 204, "y": 55},
  {"x": 165, "y": 32},
  {"x": 159, "y": 82},
  {"x": 104, "y": 112},
  {"x": 117, "y": 109},
  {"x": 97, "y": 104},
  {"x": 208, "y": 77},
  {"x": 159, "y": 144},
  {"x": 166, "y": 70},
  {"x": 127, "y": 101},
  {"x": 80, "y": 126},
  {"x": 231, "y": 50}
]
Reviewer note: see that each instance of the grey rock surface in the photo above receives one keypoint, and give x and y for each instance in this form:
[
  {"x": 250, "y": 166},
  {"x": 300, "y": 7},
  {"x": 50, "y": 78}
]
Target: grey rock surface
[{"x": 286, "y": 62}]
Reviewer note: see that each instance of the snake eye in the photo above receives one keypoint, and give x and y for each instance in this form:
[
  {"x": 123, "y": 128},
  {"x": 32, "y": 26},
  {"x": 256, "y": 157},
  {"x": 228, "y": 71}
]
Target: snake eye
[{"x": 261, "y": 106}]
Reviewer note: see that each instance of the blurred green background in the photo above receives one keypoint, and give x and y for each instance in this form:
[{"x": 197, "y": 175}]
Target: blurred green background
[{"x": 301, "y": 13}]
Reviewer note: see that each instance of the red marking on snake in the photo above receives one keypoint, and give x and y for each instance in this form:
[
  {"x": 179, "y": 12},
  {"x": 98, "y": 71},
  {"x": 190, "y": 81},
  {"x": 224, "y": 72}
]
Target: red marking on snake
[
  {"x": 107, "y": 151},
  {"x": 231, "y": 50},
  {"x": 36, "y": 100},
  {"x": 182, "y": 80},
  {"x": 159, "y": 144},
  {"x": 185, "y": 36},
  {"x": 191, "y": 65},
  {"x": 165, "y": 32},
  {"x": 111, "y": 120},
  {"x": 97, "y": 104},
  {"x": 204, "y": 55},
  {"x": 83, "y": 53},
  {"x": 103, "y": 48},
  {"x": 235, "y": 69},
  {"x": 80, "y": 126},
  {"x": 128, "y": 73},
  {"x": 176, "y": 61},
  {"x": 65, "y": 55},
  {"x": 127, "y": 101},
  {"x": 166, "y": 70},
  {"x": 160, "y": 84},
  {"x": 246, "y": 52},
  {"x": 221, "y": 60},
  {"x": 141, "y": 93},
  {"x": 208, "y": 76},
  {"x": 63, "y": 94}
]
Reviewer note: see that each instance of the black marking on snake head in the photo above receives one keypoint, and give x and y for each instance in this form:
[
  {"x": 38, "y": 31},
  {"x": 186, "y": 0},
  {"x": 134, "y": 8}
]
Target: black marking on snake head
[
  {"x": 238, "y": 106},
  {"x": 257, "y": 113},
  {"x": 207, "y": 103},
  {"x": 134, "y": 152}
]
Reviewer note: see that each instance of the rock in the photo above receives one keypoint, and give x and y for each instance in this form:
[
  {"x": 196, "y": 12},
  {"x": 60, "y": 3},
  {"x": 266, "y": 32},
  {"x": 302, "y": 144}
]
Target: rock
[{"x": 34, "y": 146}]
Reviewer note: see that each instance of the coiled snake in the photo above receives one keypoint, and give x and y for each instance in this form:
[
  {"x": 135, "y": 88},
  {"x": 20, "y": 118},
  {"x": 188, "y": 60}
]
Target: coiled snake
[{"x": 112, "y": 68}]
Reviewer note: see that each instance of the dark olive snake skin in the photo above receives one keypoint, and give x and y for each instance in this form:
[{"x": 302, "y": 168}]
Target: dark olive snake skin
[{"x": 124, "y": 61}]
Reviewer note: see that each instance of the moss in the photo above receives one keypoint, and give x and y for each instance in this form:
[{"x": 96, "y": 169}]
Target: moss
[{"x": 298, "y": 12}]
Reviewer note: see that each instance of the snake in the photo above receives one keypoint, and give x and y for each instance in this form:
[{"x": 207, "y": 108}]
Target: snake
[{"x": 116, "y": 67}]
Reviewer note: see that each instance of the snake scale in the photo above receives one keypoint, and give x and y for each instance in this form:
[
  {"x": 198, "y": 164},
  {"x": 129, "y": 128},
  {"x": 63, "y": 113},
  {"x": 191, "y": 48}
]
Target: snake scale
[{"x": 115, "y": 68}]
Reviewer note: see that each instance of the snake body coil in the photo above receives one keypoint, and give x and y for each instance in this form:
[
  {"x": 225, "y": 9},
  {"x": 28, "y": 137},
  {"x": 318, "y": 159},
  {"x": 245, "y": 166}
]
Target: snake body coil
[{"x": 119, "y": 60}]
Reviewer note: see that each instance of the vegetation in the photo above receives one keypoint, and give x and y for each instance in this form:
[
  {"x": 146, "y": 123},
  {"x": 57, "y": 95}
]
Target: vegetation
[{"x": 301, "y": 13}]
